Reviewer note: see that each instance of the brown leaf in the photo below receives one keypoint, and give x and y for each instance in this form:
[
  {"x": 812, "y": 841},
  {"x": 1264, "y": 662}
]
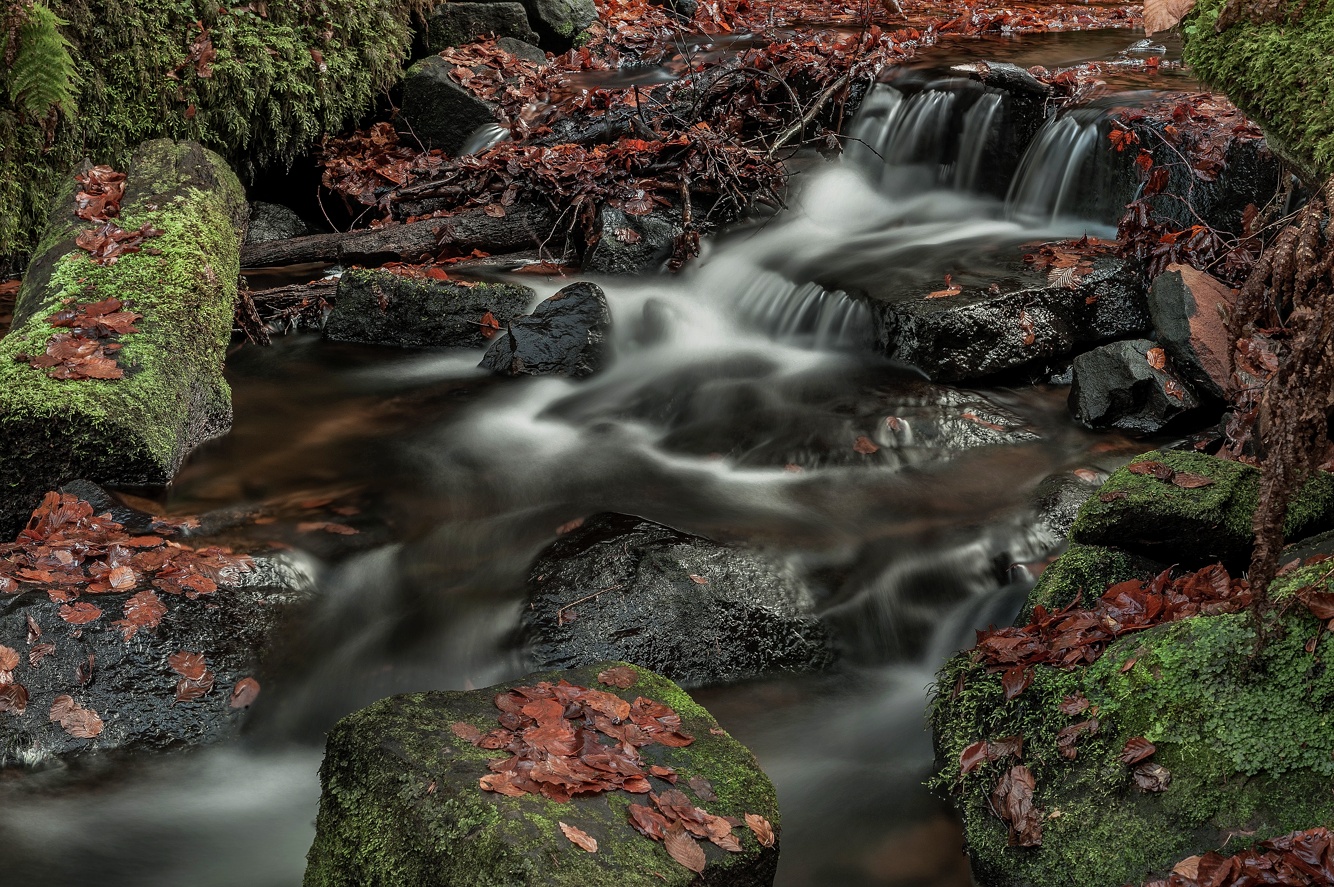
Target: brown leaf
[
  {"x": 1013, "y": 802},
  {"x": 9, "y": 658},
  {"x": 1152, "y": 777},
  {"x": 38, "y": 653},
  {"x": 1151, "y": 469},
  {"x": 1137, "y": 749},
  {"x": 1157, "y": 358},
  {"x": 491, "y": 326},
  {"x": 244, "y": 693},
  {"x": 683, "y": 848},
  {"x": 1027, "y": 333},
  {"x": 79, "y": 613},
  {"x": 698, "y": 580},
  {"x": 122, "y": 578},
  {"x": 1074, "y": 704},
  {"x": 1159, "y": 15},
  {"x": 703, "y": 789},
  {"x": 865, "y": 446},
  {"x": 619, "y": 676},
  {"x": 974, "y": 756},
  {"x": 466, "y": 732},
  {"x": 1016, "y": 680},
  {"x": 1188, "y": 481},
  {"x": 188, "y": 690},
  {"x": 579, "y": 837},
  {"x": 1188, "y": 868},
  {"x": 13, "y": 698},
  {"x": 143, "y": 610},
  {"x": 190, "y": 666},
  {"x": 763, "y": 829},
  {"x": 77, "y": 721}
]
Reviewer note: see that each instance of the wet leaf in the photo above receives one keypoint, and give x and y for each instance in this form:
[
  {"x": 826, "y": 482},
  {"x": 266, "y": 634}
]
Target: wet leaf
[
  {"x": 1160, "y": 15},
  {"x": 1012, "y": 800},
  {"x": 1073, "y": 704},
  {"x": 9, "y": 658},
  {"x": 79, "y": 613},
  {"x": 683, "y": 848},
  {"x": 188, "y": 690},
  {"x": 467, "y": 732},
  {"x": 1152, "y": 777},
  {"x": 1137, "y": 749},
  {"x": 1156, "y": 357},
  {"x": 1151, "y": 469},
  {"x": 13, "y": 698},
  {"x": 1188, "y": 481},
  {"x": 579, "y": 837},
  {"x": 142, "y": 610},
  {"x": 1016, "y": 680},
  {"x": 763, "y": 829},
  {"x": 77, "y": 721},
  {"x": 703, "y": 789},
  {"x": 38, "y": 653},
  {"x": 698, "y": 580},
  {"x": 190, "y": 666},
  {"x": 491, "y": 326},
  {"x": 619, "y": 676},
  {"x": 244, "y": 693},
  {"x": 973, "y": 757},
  {"x": 865, "y": 446},
  {"x": 1027, "y": 334}
]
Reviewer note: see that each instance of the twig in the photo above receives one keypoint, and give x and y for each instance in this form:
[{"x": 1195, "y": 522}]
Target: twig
[{"x": 799, "y": 127}]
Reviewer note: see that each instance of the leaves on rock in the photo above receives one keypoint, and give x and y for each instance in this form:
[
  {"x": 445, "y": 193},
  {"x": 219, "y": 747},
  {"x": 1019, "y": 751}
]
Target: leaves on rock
[
  {"x": 13, "y": 698},
  {"x": 1298, "y": 859},
  {"x": 190, "y": 689},
  {"x": 684, "y": 848},
  {"x": 579, "y": 837},
  {"x": 1137, "y": 749},
  {"x": 9, "y": 659},
  {"x": 1152, "y": 777},
  {"x": 243, "y": 693},
  {"x": 77, "y": 721},
  {"x": 142, "y": 610},
  {"x": 80, "y": 612},
  {"x": 763, "y": 829},
  {"x": 1012, "y": 800},
  {"x": 985, "y": 751},
  {"x": 100, "y": 191},
  {"x": 621, "y": 676},
  {"x": 865, "y": 446},
  {"x": 188, "y": 665}
]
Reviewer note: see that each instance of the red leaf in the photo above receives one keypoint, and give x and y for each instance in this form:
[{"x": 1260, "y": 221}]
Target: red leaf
[
  {"x": 77, "y": 721},
  {"x": 1137, "y": 749},
  {"x": 1016, "y": 680},
  {"x": 244, "y": 693},
  {"x": 79, "y": 613},
  {"x": 1012, "y": 800},
  {"x": 579, "y": 837},
  {"x": 490, "y": 326},
  {"x": 190, "y": 666},
  {"x": 763, "y": 829}
]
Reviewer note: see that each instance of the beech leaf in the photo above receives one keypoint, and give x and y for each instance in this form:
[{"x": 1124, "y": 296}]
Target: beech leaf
[{"x": 579, "y": 837}]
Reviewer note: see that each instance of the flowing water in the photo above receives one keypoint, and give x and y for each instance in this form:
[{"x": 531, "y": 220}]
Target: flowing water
[{"x": 730, "y": 410}]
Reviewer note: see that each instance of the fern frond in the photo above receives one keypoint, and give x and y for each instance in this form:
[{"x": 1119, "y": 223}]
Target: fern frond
[{"x": 43, "y": 76}]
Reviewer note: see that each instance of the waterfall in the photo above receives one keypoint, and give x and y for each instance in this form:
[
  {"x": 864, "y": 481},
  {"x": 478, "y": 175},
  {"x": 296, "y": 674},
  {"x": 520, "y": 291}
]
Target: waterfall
[
  {"x": 1048, "y": 183},
  {"x": 978, "y": 124},
  {"x": 805, "y": 315}
]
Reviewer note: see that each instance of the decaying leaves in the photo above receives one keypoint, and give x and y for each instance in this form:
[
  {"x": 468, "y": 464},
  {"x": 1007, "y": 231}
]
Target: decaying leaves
[
  {"x": 763, "y": 829},
  {"x": 244, "y": 692},
  {"x": 1137, "y": 749},
  {"x": 1012, "y": 800},
  {"x": 621, "y": 676},
  {"x": 77, "y": 721},
  {"x": 579, "y": 837},
  {"x": 684, "y": 848}
]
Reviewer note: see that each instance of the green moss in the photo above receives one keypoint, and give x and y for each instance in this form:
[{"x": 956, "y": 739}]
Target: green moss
[
  {"x": 401, "y": 803},
  {"x": 1083, "y": 573},
  {"x": 1273, "y": 72}
]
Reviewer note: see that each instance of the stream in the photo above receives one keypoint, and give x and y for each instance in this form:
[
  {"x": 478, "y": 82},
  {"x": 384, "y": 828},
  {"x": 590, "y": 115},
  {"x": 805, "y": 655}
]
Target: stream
[{"x": 729, "y": 410}]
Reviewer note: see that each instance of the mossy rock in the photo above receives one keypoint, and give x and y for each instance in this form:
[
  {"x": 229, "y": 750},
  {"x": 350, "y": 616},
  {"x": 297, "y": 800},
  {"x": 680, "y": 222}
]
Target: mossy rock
[
  {"x": 1194, "y": 527},
  {"x": 1249, "y": 743},
  {"x": 135, "y": 430},
  {"x": 277, "y": 83},
  {"x": 1082, "y": 574},
  {"x": 1272, "y": 71},
  {"x": 401, "y": 803}
]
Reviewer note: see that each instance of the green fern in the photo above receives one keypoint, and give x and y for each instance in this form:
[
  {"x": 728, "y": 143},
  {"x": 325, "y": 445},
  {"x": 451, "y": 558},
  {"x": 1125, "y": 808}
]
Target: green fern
[{"x": 42, "y": 76}]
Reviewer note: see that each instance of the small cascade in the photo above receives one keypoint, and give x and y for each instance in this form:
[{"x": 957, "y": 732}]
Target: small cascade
[
  {"x": 805, "y": 315},
  {"x": 483, "y": 138},
  {"x": 1049, "y": 179},
  {"x": 923, "y": 129},
  {"x": 978, "y": 124}
]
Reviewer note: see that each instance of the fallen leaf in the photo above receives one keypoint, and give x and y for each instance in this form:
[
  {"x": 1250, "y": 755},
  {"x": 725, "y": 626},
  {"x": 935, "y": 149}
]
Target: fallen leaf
[
  {"x": 619, "y": 676},
  {"x": 1026, "y": 330},
  {"x": 1016, "y": 680},
  {"x": 466, "y": 732},
  {"x": 143, "y": 610},
  {"x": 38, "y": 653},
  {"x": 579, "y": 837},
  {"x": 244, "y": 693},
  {"x": 1188, "y": 868},
  {"x": 1160, "y": 15},
  {"x": 79, "y": 613},
  {"x": 490, "y": 326},
  {"x": 865, "y": 446},
  {"x": 683, "y": 848},
  {"x": 190, "y": 666},
  {"x": 698, "y": 580},
  {"x": 1151, "y": 469},
  {"x": 1152, "y": 777},
  {"x": 1012, "y": 800},
  {"x": 974, "y": 756},
  {"x": 1188, "y": 481},
  {"x": 1156, "y": 357},
  {"x": 1137, "y": 749},
  {"x": 9, "y": 658},
  {"x": 77, "y": 721},
  {"x": 188, "y": 690},
  {"x": 763, "y": 829},
  {"x": 13, "y": 698},
  {"x": 703, "y": 789},
  {"x": 1074, "y": 704}
]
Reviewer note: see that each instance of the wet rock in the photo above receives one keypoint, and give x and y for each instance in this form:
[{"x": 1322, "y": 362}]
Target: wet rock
[
  {"x": 1083, "y": 573},
  {"x": 273, "y": 221},
  {"x": 523, "y": 49},
  {"x": 699, "y": 612},
  {"x": 454, "y": 24},
  {"x": 436, "y": 110},
  {"x": 980, "y": 332},
  {"x": 1117, "y": 386},
  {"x": 401, "y": 802},
  {"x": 632, "y": 244},
  {"x": 1025, "y": 108},
  {"x": 683, "y": 8},
  {"x": 382, "y": 308},
  {"x": 1059, "y": 497},
  {"x": 1187, "y": 309},
  {"x": 560, "y": 22},
  {"x": 564, "y": 336}
]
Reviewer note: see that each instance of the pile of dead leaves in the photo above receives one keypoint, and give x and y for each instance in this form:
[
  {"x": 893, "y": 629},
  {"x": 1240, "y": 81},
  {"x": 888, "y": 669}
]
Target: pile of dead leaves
[
  {"x": 1298, "y": 859},
  {"x": 1068, "y": 261},
  {"x": 88, "y": 351},
  {"x": 554, "y": 734},
  {"x": 97, "y": 200}
]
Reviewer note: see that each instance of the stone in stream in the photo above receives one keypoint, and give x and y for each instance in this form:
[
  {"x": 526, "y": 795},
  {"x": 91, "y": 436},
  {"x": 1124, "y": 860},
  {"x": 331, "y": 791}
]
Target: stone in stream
[
  {"x": 1130, "y": 386},
  {"x": 136, "y": 429},
  {"x": 564, "y": 336},
  {"x": 436, "y": 110},
  {"x": 383, "y": 308},
  {"x": 701, "y": 613},
  {"x": 633, "y": 244},
  {"x": 273, "y": 221},
  {"x": 560, "y": 22},
  {"x": 454, "y": 24},
  {"x": 401, "y": 801},
  {"x": 1187, "y": 308}
]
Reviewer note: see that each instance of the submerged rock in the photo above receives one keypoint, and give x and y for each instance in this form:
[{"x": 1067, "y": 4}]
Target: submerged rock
[
  {"x": 436, "y": 110},
  {"x": 564, "y": 336},
  {"x": 402, "y": 803},
  {"x": 701, "y": 613},
  {"x": 1187, "y": 309},
  {"x": 383, "y": 308},
  {"x": 454, "y": 24},
  {"x": 1130, "y": 386}
]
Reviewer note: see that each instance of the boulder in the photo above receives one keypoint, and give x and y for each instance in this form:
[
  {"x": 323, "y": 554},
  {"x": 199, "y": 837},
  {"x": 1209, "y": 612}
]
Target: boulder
[
  {"x": 1130, "y": 386},
  {"x": 273, "y": 221},
  {"x": 1083, "y": 573},
  {"x": 402, "y": 804},
  {"x": 1159, "y": 519},
  {"x": 699, "y": 612},
  {"x": 979, "y": 332},
  {"x": 436, "y": 110},
  {"x": 156, "y": 389},
  {"x": 523, "y": 49},
  {"x": 1187, "y": 307},
  {"x": 632, "y": 244},
  {"x": 383, "y": 308},
  {"x": 685, "y": 9},
  {"x": 454, "y": 24},
  {"x": 1058, "y": 498},
  {"x": 564, "y": 336},
  {"x": 560, "y": 22}
]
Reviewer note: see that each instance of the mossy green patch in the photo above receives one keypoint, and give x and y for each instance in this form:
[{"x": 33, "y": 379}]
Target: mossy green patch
[
  {"x": 1082, "y": 574},
  {"x": 402, "y": 805},
  {"x": 1193, "y": 527},
  {"x": 1278, "y": 73}
]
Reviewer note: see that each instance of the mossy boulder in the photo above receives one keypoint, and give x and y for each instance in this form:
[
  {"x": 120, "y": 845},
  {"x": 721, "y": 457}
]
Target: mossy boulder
[
  {"x": 1193, "y": 527},
  {"x": 1082, "y": 574},
  {"x": 401, "y": 802},
  {"x": 1248, "y": 741},
  {"x": 1271, "y": 71},
  {"x": 134, "y": 430}
]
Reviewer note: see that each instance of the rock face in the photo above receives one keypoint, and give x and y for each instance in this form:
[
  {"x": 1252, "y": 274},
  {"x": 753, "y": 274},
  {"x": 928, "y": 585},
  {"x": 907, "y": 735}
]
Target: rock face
[
  {"x": 1118, "y": 386},
  {"x": 436, "y": 110},
  {"x": 454, "y": 24},
  {"x": 564, "y": 336},
  {"x": 632, "y": 244},
  {"x": 171, "y": 395},
  {"x": 699, "y": 612},
  {"x": 1187, "y": 310},
  {"x": 978, "y": 332},
  {"x": 273, "y": 221},
  {"x": 560, "y": 21},
  {"x": 383, "y": 308},
  {"x": 402, "y": 804}
]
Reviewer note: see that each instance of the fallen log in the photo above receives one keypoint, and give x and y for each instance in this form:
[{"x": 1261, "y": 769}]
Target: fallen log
[
  {"x": 441, "y": 237},
  {"x": 112, "y": 370}
]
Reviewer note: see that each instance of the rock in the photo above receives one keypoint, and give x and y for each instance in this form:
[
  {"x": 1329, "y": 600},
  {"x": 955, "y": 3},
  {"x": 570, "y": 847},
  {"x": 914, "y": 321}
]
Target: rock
[
  {"x": 1117, "y": 386},
  {"x": 273, "y": 221},
  {"x": 383, "y": 308},
  {"x": 1057, "y": 500},
  {"x": 523, "y": 49},
  {"x": 632, "y": 244},
  {"x": 1083, "y": 573},
  {"x": 137, "y": 429},
  {"x": 560, "y": 22},
  {"x": 436, "y": 110},
  {"x": 699, "y": 612},
  {"x": 401, "y": 802},
  {"x": 683, "y": 8},
  {"x": 1193, "y": 527},
  {"x": 1243, "y": 736},
  {"x": 564, "y": 336},
  {"x": 980, "y": 332},
  {"x": 1187, "y": 309},
  {"x": 454, "y": 24}
]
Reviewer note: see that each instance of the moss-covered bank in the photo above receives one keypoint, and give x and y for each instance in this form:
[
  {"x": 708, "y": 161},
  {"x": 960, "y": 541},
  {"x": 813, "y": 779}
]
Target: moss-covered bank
[
  {"x": 401, "y": 804},
  {"x": 273, "y": 84},
  {"x": 137, "y": 429},
  {"x": 1278, "y": 73}
]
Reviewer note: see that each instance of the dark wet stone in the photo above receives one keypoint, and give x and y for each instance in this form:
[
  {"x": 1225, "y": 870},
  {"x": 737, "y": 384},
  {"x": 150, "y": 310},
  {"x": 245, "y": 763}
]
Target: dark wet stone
[
  {"x": 273, "y": 221},
  {"x": 683, "y": 8},
  {"x": 454, "y": 24},
  {"x": 382, "y": 308},
  {"x": 697, "y": 611},
  {"x": 980, "y": 332},
  {"x": 1187, "y": 309},
  {"x": 436, "y": 110},
  {"x": 564, "y": 336},
  {"x": 1116, "y": 387},
  {"x": 633, "y": 244},
  {"x": 1058, "y": 499},
  {"x": 560, "y": 22},
  {"x": 523, "y": 49}
]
